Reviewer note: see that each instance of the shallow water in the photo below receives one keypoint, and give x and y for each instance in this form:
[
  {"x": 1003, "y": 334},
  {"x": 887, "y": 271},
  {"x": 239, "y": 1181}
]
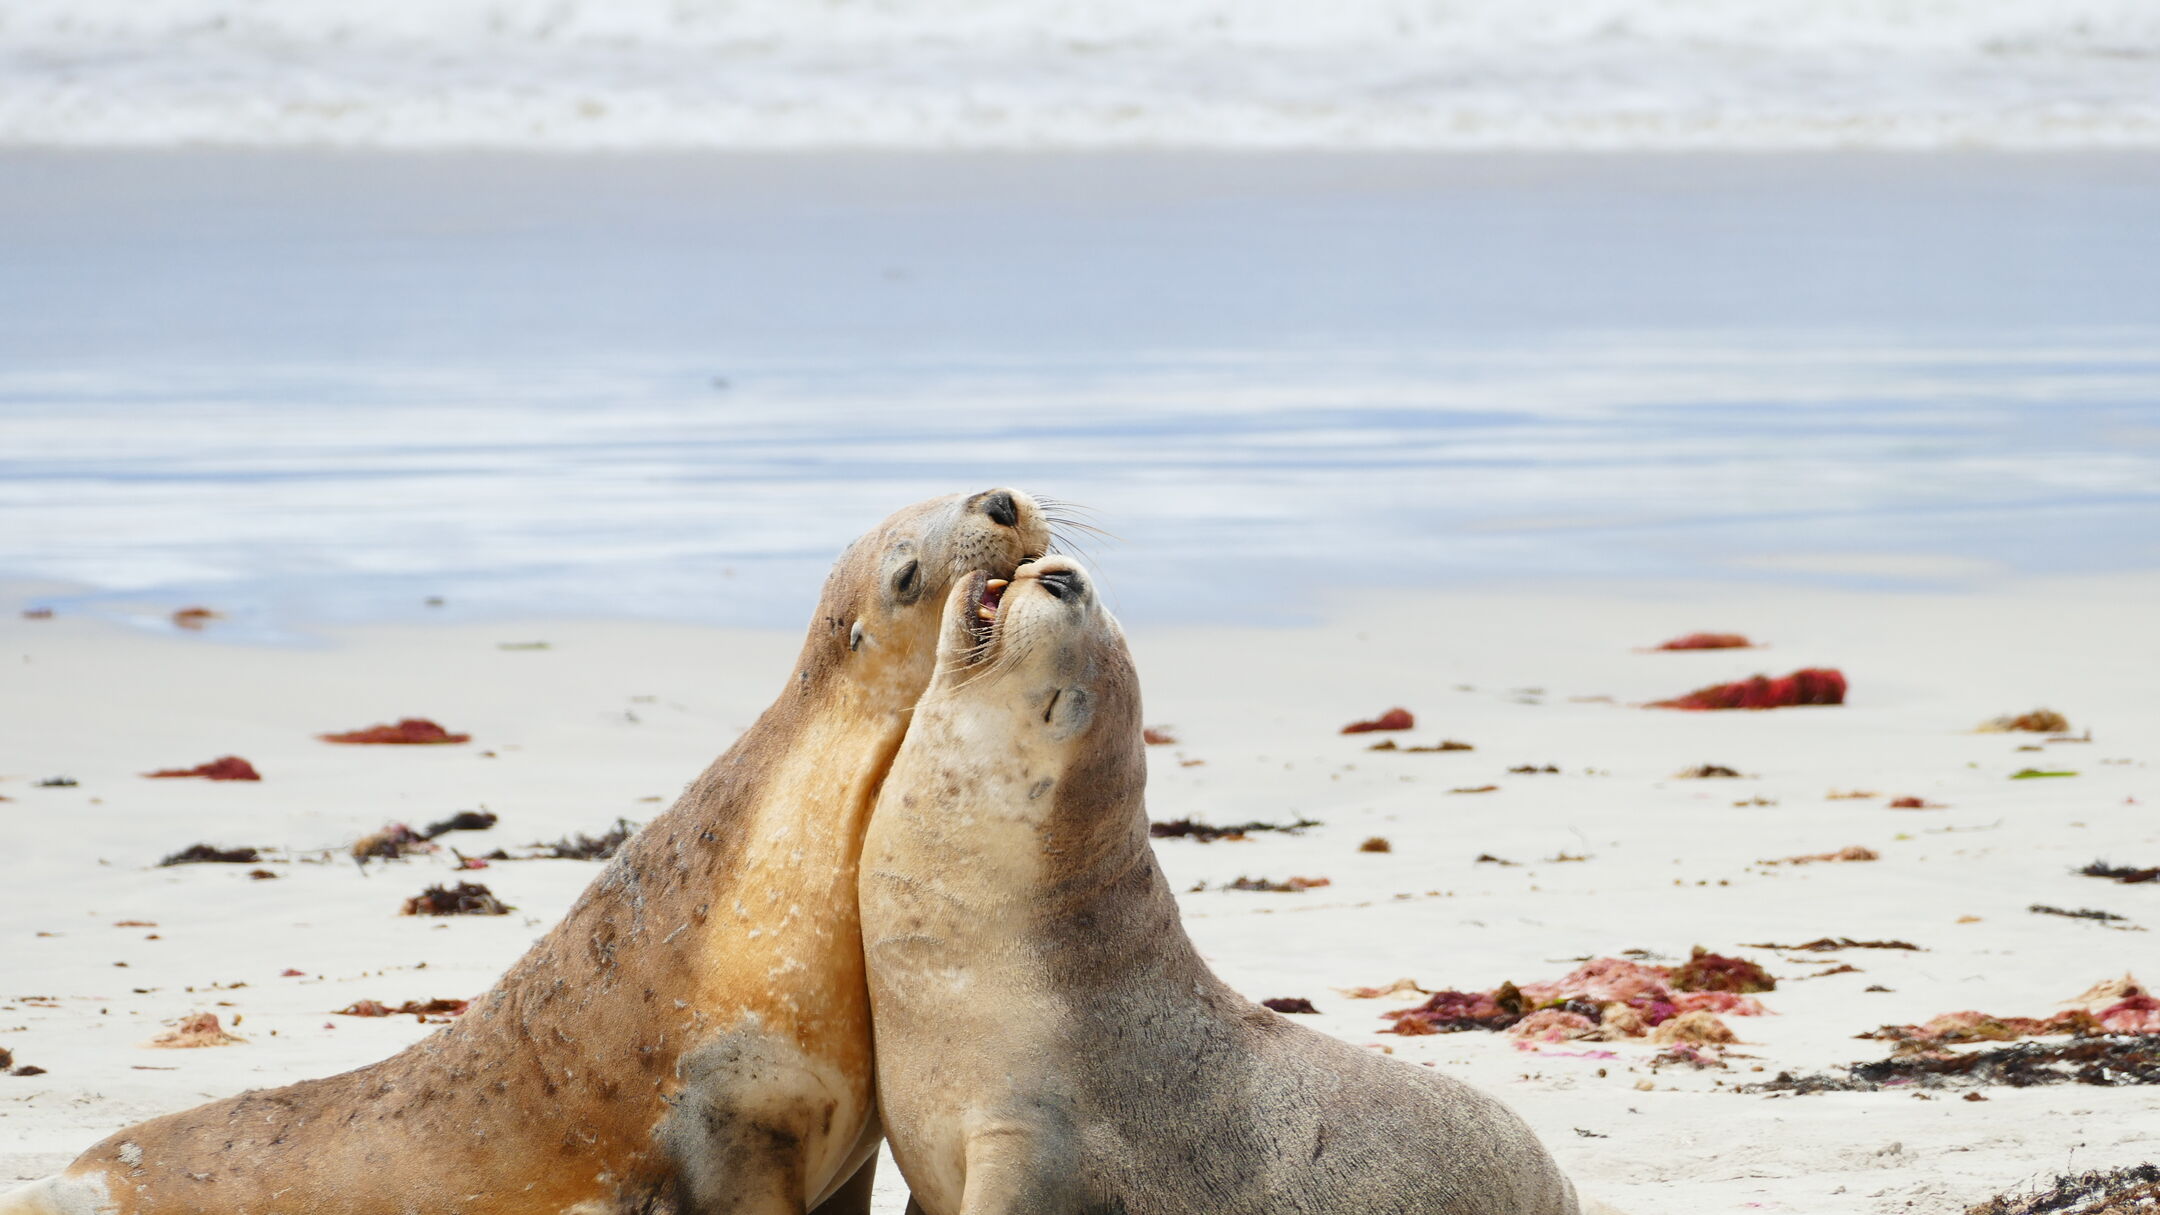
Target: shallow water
[{"x": 308, "y": 387}]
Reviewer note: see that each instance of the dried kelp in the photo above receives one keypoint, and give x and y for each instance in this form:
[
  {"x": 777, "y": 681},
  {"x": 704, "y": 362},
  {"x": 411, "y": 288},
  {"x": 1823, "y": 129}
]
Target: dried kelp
[
  {"x": 207, "y": 854},
  {"x": 466, "y": 898},
  {"x": 2100, "y": 1192},
  {"x": 1187, "y": 829},
  {"x": 2109, "y": 1061},
  {"x": 2126, "y": 874}
]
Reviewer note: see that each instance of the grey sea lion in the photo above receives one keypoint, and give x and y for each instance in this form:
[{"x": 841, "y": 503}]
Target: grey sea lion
[
  {"x": 1048, "y": 1040},
  {"x": 693, "y": 1037}
]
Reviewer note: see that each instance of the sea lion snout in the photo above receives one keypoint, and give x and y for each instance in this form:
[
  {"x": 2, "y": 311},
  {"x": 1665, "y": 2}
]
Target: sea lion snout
[
  {"x": 1000, "y": 505},
  {"x": 1062, "y": 577}
]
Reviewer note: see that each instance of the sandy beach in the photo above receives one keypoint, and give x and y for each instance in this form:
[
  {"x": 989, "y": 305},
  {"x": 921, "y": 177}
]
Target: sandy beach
[{"x": 101, "y": 950}]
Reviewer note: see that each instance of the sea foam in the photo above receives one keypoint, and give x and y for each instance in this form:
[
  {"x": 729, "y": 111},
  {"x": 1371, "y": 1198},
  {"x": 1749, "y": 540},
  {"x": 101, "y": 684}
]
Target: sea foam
[{"x": 1081, "y": 73}]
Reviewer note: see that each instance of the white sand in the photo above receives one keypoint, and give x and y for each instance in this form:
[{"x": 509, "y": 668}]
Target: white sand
[{"x": 616, "y": 713}]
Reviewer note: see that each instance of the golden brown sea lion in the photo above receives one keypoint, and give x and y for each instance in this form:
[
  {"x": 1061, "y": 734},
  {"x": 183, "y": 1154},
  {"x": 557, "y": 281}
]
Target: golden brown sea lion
[
  {"x": 694, "y": 1036},
  {"x": 1048, "y": 1040}
]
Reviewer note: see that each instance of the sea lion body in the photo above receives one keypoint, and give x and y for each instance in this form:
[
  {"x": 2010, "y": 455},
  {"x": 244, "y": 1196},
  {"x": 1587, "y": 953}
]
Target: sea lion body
[
  {"x": 1048, "y": 1040},
  {"x": 693, "y": 1037}
]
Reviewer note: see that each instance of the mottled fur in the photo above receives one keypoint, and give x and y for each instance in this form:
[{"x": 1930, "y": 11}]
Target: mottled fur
[
  {"x": 1048, "y": 1040},
  {"x": 693, "y": 1037}
]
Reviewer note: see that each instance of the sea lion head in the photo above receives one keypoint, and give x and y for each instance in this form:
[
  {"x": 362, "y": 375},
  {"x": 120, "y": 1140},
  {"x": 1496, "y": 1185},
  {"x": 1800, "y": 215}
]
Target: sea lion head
[
  {"x": 877, "y": 621},
  {"x": 1035, "y": 676}
]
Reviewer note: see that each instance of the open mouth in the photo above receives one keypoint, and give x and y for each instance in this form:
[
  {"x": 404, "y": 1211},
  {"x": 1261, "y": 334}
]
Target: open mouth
[{"x": 986, "y": 610}]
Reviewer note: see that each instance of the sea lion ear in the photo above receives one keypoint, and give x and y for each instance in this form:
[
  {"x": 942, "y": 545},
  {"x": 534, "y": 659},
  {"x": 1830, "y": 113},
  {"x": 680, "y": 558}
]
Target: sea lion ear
[
  {"x": 1068, "y": 711},
  {"x": 904, "y": 578}
]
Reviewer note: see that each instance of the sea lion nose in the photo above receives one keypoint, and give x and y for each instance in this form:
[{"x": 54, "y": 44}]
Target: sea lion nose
[
  {"x": 1003, "y": 511},
  {"x": 1063, "y": 582}
]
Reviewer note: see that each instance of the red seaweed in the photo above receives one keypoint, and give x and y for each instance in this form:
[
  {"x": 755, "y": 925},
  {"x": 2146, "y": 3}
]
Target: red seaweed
[
  {"x": 412, "y": 731},
  {"x": 1607, "y": 998},
  {"x": 1709, "y": 641},
  {"x": 1810, "y": 686},
  {"x": 422, "y": 1009},
  {"x": 228, "y": 767},
  {"x": 1393, "y": 719}
]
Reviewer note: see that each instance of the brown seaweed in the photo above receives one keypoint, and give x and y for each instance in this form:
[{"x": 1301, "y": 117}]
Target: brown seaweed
[
  {"x": 2109, "y": 1060},
  {"x": 2127, "y": 875},
  {"x": 463, "y": 820},
  {"x": 583, "y": 847},
  {"x": 466, "y": 898},
  {"x": 1187, "y": 829},
  {"x": 2082, "y": 913},
  {"x": 2100, "y": 1192},
  {"x": 1289, "y": 885},
  {"x": 207, "y": 854},
  {"x": 1826, "y": 944}
]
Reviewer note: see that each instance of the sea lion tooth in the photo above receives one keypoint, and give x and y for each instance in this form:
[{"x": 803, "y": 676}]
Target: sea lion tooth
[
  {"x": 725, "y": 1067},
  {"x": 1075, "y": 1053}
]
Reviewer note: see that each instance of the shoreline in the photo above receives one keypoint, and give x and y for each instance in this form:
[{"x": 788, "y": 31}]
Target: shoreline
[{"x": 616, "y": 715}]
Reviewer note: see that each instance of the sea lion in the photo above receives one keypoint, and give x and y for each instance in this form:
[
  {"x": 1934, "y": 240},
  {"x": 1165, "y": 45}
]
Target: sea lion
[
  {"x": 693, "y": 1037},
  {"x": 1049, "y": 1041}
]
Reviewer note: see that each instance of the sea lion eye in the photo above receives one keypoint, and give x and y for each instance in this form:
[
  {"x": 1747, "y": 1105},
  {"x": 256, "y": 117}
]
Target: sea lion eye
[{"x": 907, "y": 584}]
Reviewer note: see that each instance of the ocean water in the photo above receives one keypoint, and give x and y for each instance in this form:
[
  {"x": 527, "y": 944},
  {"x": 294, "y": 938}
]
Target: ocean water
[
  {"x": 1015, "y": 74},
  {"x": 314, "y": 387}
]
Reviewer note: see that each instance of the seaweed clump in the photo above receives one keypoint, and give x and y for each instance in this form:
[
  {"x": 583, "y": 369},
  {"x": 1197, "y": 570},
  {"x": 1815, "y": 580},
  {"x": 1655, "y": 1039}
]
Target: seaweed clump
[
  {"x": 463, "y": 820},
  {"x": 225, "y": 767},
  {"x": 206, "y": 854},
  {"x": 1709, "y": 641},
  {"x": 2110, "y": 1061},
  {"x": 1604, "y": 999},
  {"x": 2099, "y": 1192},
  {"x": 194, "y": 1031},
  {"x": 1393, "y": 719},
  {"x": 1187, "y": 829},
  {"x": 391, "y": 843},
  {"x": 1288, "y": 885},
  {"x": 1827, "y": 944},
  {"x": 1810, "y": 686},
  {"x": 435, "y": 1011},
  {"x": 2082, "y": 913},
  {"x": 1706, "y": 971},
  {"x": 466, "y": 898},
  {"x": 2126, "y": 874},
  {"x": 411, "y": 731},
  {"x": 583, "y": 847},
  {"x": 2039, "y": 721}
]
